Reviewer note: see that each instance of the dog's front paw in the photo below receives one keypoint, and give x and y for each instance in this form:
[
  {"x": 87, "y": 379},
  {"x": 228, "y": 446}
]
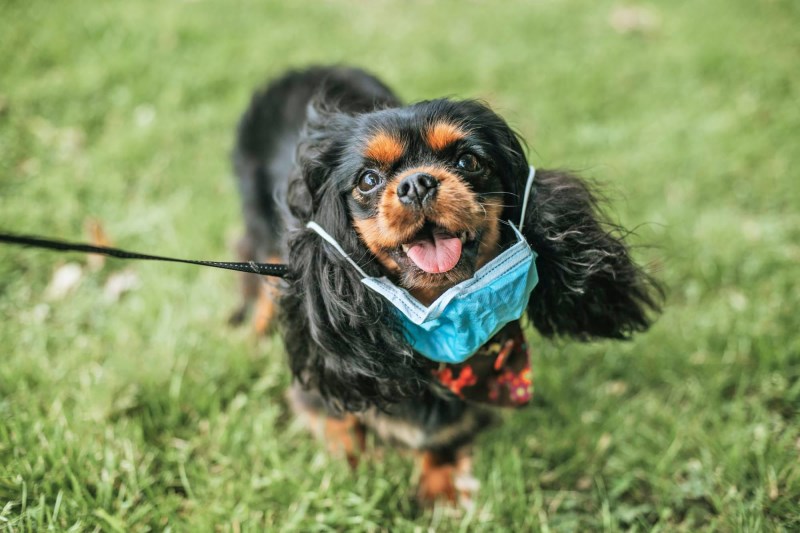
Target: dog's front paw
[
  {"x": 447, "y": 480},
  {"x": 467, "y": 488}
]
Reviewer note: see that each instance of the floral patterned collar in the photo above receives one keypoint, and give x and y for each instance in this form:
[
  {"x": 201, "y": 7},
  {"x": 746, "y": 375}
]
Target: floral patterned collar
[{"x": 498, "y": 374}]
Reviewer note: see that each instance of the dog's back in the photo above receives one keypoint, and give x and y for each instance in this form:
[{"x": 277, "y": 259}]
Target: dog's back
[
  {"x": 267, "y": 136},
  {"x": 264, "y": 157}
]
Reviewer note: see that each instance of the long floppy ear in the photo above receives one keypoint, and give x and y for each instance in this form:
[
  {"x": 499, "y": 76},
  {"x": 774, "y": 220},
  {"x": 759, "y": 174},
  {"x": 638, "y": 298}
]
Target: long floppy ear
[
  {"x": 342, "y": 338},
  {"x": 589, "y": 287}
]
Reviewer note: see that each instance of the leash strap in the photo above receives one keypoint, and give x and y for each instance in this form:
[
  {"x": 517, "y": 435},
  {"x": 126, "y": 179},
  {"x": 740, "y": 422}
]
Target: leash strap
[{"x": 264, "y": 269}]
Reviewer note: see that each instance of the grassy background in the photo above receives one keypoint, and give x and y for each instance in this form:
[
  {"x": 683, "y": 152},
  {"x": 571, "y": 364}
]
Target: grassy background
[{"x": 149, "y": 414}]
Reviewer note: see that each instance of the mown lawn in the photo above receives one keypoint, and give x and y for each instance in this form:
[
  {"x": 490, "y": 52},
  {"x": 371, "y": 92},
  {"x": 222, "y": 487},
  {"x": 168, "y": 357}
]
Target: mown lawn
[{"x": 145, "y": 412}]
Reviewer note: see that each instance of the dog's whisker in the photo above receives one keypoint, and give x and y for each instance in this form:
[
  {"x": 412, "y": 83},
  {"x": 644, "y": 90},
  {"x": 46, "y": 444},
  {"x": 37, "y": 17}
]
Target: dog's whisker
[
  {"x": 500, "y": 204},
  {"x": 503, "y": 192}
]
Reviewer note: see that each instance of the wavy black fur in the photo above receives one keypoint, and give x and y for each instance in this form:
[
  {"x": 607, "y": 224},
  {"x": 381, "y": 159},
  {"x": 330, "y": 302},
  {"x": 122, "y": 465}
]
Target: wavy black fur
[
  {"x": 589, "y": 286},
  {"x": 342, "y": 339}
]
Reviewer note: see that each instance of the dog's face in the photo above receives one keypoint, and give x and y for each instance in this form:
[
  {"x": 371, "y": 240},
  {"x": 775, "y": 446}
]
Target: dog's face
[{"x": 426, "y": 187}]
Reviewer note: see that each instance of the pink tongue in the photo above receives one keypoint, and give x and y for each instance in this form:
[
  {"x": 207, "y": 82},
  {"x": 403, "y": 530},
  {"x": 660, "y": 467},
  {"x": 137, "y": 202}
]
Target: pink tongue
[{"x": 439, "y": 255}]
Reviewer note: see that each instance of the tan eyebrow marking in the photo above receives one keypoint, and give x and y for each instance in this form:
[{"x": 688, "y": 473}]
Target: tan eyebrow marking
[
  {"x": 384, "y": 148},
  {"x": 442, "y": 134}
]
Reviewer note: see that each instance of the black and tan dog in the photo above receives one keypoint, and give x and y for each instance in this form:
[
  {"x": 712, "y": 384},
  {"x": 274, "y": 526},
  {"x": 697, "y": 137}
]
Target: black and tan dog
[{"x": 416, "y": 193}]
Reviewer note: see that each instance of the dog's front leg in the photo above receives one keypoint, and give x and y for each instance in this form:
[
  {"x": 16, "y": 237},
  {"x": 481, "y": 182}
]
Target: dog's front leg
[{"x": 446, "y": 475}]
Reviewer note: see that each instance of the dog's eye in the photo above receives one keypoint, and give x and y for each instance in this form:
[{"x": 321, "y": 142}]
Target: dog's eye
[
  {"x": 468, "y": 163},
  {"x": 368, "y": 181}
]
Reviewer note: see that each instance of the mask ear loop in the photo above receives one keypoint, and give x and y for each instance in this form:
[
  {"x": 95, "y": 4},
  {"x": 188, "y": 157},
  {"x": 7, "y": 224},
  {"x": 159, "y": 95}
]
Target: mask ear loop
[
  {"x": 324, "y": 234},
  {"x": 528, "y": 185}
]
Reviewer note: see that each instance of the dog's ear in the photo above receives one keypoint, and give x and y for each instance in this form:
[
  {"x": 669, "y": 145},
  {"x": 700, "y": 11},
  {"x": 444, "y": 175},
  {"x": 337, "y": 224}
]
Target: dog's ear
[
  {"x": 318, "y": 150},
  {"x": 589, "y": 286},
  {"x": 342, "y": 338}
]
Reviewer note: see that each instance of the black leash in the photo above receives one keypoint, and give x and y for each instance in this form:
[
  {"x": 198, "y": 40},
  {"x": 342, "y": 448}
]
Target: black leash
[{"x": 265, "y": 269}]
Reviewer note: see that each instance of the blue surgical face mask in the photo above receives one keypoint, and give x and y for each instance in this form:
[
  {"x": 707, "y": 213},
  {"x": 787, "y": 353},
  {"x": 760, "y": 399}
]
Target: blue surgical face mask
[{"x": 468, "y": 314}]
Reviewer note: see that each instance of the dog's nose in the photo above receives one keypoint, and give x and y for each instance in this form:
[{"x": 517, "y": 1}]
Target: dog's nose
[{"x": 417, "y": 189}]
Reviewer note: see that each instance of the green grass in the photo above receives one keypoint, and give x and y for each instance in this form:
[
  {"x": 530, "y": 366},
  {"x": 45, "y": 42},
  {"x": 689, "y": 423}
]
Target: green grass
[{"x": 150, "y": 414}]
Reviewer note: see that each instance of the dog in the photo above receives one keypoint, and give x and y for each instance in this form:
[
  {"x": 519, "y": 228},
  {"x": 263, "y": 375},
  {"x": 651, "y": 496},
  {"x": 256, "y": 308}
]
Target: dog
[{"x": 418, "y": 194}]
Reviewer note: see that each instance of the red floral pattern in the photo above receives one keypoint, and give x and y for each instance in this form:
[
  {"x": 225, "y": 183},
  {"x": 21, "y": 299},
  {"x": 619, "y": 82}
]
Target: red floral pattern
[{"x": 499, "y": 373}]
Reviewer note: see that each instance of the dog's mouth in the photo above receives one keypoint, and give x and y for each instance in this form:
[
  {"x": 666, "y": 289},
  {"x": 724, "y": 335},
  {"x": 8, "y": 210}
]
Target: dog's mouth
[{"x": 435, "y": 250}]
